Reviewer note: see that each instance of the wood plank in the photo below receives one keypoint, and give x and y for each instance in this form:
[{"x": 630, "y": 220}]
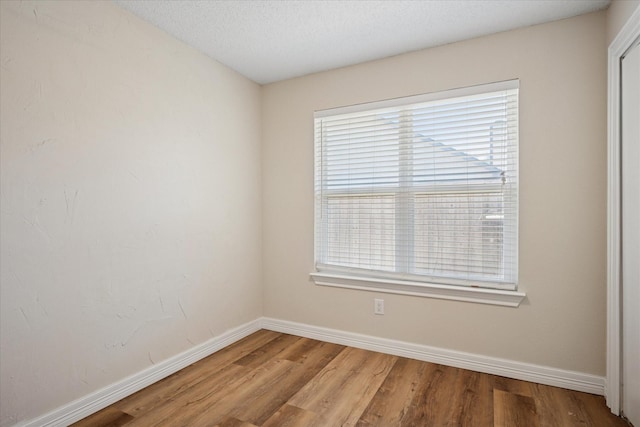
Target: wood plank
[
  {"x": 306, "y": 347},
  {"x": 413, "y": 388},
  {"x": 573, "y": 405},
  {"x": 234, "y": 422},
  {"x": 433, "y": 403},
  {"x": 484, "y": 404},
  {"x": 342, "y": 390},
  {"x": 551, "y": 406},
  {"x": 193, "y": 400},
  {"x": 472, "y": 404},
  {"x": 257, "y": 404},
  {"x": 557, "y": 406},
  {"x": 511, "y": 409},
  {"x": 108, "y": 417},
  {"x": 510, "y": 385},
  {"x": 291, "y": 416},
  {"x": 243, "y": 399},
  {"x": 394, "y": 402},
  {"x": 256, "y": 395},
  {"x": 166, "y": 389},
  {"x": 599, "y": 414},
  {"x": 268, "y": 351}
]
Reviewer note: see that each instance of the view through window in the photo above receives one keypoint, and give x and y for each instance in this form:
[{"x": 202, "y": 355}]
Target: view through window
[{"x": 422, "y": 188}]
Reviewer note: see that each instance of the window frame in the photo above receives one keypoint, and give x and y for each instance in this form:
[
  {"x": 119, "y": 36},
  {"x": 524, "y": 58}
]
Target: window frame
[{"x": 415, "y": 284}]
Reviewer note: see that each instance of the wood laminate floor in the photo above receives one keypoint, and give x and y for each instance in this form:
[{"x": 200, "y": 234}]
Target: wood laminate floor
[{"x": 278, "y": 380}]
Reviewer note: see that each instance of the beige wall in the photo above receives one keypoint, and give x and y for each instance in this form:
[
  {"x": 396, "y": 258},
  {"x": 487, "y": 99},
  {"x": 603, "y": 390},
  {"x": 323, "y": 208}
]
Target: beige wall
[
  {"x": 617, "y": 15},
  {"x": 130, "y": 200},
  {"x": 562, "y": 72}
]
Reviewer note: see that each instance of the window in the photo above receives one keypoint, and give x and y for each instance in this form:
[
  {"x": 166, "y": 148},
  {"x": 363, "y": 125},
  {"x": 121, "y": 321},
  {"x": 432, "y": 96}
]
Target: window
[{"x": 420, "y": 191}]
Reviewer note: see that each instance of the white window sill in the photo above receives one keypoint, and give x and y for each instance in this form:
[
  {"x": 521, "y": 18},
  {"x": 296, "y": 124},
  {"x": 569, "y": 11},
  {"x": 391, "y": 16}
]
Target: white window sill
[{"x": 428, "y": 290}]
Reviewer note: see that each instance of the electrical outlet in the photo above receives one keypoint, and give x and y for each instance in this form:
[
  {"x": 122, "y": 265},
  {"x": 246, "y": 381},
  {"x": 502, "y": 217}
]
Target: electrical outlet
[{"x": 378, "y": 306}]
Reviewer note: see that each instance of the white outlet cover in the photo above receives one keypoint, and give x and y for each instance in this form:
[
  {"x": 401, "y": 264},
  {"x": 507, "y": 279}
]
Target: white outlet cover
[{"x": 378, "y": 306}]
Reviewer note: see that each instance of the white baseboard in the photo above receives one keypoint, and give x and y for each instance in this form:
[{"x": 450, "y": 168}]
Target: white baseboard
[
  {"x": 100, "y": 399},
  {"x": 491, "y": 365}
]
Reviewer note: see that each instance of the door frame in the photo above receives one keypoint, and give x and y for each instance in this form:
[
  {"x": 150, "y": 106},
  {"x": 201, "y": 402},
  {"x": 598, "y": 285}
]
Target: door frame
[{"x": 623, "y": 41}]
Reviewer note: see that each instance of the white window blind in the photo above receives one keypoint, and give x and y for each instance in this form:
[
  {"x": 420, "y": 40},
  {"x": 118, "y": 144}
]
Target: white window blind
[{"x": 422, "y": 188}]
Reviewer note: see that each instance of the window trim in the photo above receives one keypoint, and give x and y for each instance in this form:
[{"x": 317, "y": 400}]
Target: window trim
[
  {"x": 489, "y": 296},
  {"x": 484, "y": 293}
]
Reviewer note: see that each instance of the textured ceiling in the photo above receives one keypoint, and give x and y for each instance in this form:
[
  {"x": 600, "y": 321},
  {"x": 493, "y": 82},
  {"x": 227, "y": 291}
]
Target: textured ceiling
[{"x": 272, "y": 40}]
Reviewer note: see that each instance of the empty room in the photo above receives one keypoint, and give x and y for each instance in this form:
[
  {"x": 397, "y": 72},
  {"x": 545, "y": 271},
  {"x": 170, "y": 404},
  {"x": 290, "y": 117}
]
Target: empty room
[{"x": 319, "y": 213}]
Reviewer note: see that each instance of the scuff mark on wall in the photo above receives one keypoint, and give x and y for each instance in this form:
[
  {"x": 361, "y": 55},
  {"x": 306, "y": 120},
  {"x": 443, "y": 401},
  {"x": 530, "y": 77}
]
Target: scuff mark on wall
[
  {"x": 45, "y": 141},
  {"x": 71, "y": 208},
  {"x": 182, "y": 308},
  {"x": 42, "y": 231},
  {"x": 34, "y": 222},
  {"x": 133, "y": 175},
  {"x": 26, "y": 318},
  {"x": 6, "y": 62},
  {"x": 80, "y": 374},
  {"x": 127, "y": 340},
  {"x": 41, "y": 306},
  {"x": 18, "y": 279},
  {"x": 161, "y": 302}
]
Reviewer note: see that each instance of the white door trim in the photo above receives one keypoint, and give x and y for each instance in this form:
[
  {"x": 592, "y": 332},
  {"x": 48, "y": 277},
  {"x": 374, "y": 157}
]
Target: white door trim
[{"x": 623, "y": 41}]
